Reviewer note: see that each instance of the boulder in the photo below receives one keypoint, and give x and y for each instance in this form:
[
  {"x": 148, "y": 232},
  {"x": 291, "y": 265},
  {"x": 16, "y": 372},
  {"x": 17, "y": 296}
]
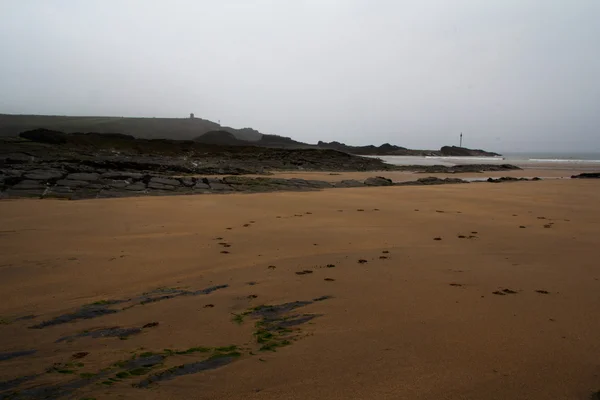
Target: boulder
[{"x": 378, "y": 181}]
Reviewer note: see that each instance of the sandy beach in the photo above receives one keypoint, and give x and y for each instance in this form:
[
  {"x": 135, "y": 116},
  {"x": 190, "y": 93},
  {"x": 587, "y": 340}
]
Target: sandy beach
[
  {"x": 476, "y": 291},
  {"x": 405, "y": 176}
]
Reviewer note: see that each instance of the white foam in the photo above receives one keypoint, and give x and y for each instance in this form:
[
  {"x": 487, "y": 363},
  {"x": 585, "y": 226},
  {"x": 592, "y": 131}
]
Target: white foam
[
  {"x": 559, "y": 160},
  {"x": 466, "y": 158}
]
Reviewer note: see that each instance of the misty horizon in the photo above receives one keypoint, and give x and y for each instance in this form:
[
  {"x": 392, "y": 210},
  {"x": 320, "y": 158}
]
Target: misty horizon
[{"x": 511, "y": 76}]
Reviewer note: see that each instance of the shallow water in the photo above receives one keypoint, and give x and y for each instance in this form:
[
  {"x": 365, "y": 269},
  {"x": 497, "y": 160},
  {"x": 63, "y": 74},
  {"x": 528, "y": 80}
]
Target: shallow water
[{"x": 533, "y": 160}]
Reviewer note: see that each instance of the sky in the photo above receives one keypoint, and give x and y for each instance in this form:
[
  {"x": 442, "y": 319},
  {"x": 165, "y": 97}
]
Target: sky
[{"x": 511, "y": 75}]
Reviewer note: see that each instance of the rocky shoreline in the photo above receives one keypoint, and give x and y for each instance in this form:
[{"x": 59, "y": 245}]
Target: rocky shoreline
[
  {"x": 48, "y": 164},
  {"x": 57, "y": 184}
]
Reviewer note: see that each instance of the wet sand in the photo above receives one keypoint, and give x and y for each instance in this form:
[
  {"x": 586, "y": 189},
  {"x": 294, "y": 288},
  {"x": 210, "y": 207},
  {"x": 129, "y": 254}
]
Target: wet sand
[
  {"x": 502, "y": 306},
  {"x": 404, "y": 176}
]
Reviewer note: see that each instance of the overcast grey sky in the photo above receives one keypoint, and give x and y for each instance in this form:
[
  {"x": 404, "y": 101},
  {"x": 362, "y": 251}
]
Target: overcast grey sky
[{"x": 510, "y": 74}]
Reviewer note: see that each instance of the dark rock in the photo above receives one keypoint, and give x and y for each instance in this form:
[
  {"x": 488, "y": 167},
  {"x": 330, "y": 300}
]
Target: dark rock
[
  {"x": 349, "y": 183},
  {"x": 121, "y": 175},
  {"x": 83, "y": 176},
  {"x": 44, "y": 174},
  {"x": 378, "y": 181},
  {"x": 164, "y": 181},
  {"x": 587, "y": 175},
  {"x": 29, "y": 185},
  {"x": 200, "y": 185},
  {"x": 71, "y": 183},
  {"x": 160, "y": 186},
  {"x": 506, "y": 179},
  {"x": 222, "y": 187},
  {"x": 454, "y": 151},
  {"x": 189, "y": 182},
  {"x": 138, "y": 186},
  {"x": 431, "y": 180},
  {"x": 319, "y": 184},
  {"x": 117, "y": 184},
  {"x": 45, "y": 136}
]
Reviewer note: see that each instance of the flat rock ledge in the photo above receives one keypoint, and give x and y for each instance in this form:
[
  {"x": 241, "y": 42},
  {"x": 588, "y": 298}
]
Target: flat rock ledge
[{"x": 57, "y": 184}]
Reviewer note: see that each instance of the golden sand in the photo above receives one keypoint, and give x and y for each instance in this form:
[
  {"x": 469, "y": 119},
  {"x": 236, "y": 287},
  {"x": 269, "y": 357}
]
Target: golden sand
[{"x": 423, "y": 323}]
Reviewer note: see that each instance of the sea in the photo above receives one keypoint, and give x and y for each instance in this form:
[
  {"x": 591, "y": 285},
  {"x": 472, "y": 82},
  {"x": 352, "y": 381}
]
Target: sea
[{"x": 587, "y": 161}]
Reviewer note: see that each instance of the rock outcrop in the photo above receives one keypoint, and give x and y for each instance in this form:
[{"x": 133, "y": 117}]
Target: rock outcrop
[{"x": 587, "y": 175}]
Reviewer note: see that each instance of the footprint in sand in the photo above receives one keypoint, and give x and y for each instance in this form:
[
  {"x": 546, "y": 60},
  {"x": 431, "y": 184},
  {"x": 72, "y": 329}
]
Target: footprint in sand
[
  {"x": 329, "y": 279},
  {"x": 540, "y": 291},
  {"x": 224, "y": 252},
  {"x": 456, "y": 284},
  {"x": 437, "y": 238},
  {"x": 304, "y": 272},
  {"x": 362, "y": 261},
  {"x": 504, "y": 292},
  {"x": 383, "y": 257},
  {"x": 271, "y": 267}
]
